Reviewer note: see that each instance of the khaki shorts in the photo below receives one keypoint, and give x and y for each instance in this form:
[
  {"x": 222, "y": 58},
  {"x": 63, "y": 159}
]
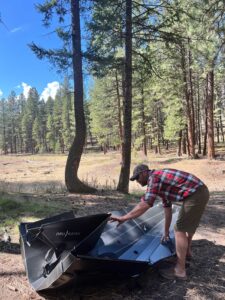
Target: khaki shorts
[{"x": 191, "y": 210}]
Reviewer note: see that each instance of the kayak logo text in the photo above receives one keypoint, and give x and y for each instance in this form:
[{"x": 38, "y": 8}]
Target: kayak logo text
[{"x": 67, "y": 233}]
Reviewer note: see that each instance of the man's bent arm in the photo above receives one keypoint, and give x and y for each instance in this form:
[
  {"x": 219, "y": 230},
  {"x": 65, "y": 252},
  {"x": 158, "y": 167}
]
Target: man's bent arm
[{"x": 137, "y": 211}]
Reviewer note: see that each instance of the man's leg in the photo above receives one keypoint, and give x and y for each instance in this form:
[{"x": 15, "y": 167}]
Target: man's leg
[
  {"x": 190, "y": 215},
  {"x": 187, "y": 222},
  {"x": 189, "y": 237},
  {"x": 181, "y": 250}
]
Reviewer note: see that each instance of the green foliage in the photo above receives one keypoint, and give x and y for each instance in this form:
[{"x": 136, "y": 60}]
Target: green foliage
[
  {"x": 67, "y": 115},
  {"x": 61, "y": 58},
  {"x": 104, "y": 112},
  {"x": 50, "y": 137},
  {"x": 34, "y": 126},
  {"x": 164, "y": 34}
]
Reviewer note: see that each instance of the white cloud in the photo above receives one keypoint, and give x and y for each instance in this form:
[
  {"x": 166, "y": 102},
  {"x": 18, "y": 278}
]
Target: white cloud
[
  {"x": 50, "y": 90},
  {"x": 16, "y": 29},
  {"x": 1, "y": 92},
  {"x": 26, "y": 89}
]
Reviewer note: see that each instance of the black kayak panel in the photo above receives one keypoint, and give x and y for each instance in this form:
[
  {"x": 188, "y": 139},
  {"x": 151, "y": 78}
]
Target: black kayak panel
[
  {"x": 50, "y": 240},
  {"x": 56, "y": 250}
]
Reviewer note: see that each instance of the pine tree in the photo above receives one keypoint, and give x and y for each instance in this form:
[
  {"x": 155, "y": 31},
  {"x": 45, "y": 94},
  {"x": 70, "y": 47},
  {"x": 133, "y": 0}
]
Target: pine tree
[
  {"x": 103, "y": 113},
  {"x": 3, "y": 126},
  {"x": 12, "y": 120},
  {"x": 36, "y": 134},
  {"x": 63, "y": 58},
  {"x": 30, "y": 114},
  {"x": 50, "y": 135},
  {"x": 42, "y": 117},
  {"x": 57, "y": 119},
  {"x": 67, "y": 115}
]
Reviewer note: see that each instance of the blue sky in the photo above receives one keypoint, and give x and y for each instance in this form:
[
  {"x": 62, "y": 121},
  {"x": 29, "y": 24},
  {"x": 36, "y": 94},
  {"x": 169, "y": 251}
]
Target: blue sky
[{"x": 19, "y": 67}]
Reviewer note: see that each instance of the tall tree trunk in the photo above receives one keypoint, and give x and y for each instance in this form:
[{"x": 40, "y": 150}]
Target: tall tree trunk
[
  {"x": 158, "y": 130},
  {"x": 187, "y": 142},
  {"x": 221, "y": 127},
  {"x": 217, "y": 131},
  {"x": 206, "y": 130},
  {"x": 4, "y": 127},
  {"x": 150, "y": 143},
  {"x": 167, "y": 144},
  {"x": 209, "y": 102},
  {"x": 199, "y": 119},
  {"x": 179, "y": 152},
  {"x": 123, "y": 184},
  {"x": 72, "y": 181},
  {"x": 191, "y": 93},
  {"x": 187, "y": 93},
  {"x": 90, "y": 135},
  {"x": 119, "y": 110},
  {"x": 143, "y": 122},
  {"x": 184, "y": 144}
]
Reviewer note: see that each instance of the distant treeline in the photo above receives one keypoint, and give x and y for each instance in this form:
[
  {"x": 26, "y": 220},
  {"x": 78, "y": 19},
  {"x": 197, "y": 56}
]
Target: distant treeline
[
  {"x": 158, "y": 71},
  {"x": 34, "y": 126}
]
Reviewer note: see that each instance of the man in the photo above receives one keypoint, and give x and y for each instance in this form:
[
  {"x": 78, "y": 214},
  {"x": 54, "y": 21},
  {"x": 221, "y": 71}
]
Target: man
[{"x": 172, "y": 185}]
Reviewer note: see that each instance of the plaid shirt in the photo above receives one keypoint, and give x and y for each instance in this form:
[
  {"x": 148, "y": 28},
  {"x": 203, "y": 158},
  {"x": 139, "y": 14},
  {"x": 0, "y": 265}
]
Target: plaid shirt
[{"x": 170, "y": 185}]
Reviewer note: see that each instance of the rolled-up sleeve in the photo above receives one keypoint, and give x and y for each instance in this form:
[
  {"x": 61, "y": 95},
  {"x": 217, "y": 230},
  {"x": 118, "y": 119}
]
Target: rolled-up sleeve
[{"x": 152, "y": 190}]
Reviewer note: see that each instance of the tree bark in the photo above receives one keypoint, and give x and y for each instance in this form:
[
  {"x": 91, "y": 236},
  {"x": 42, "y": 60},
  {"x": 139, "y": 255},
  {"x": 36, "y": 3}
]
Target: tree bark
[
  {"x": 158, "y": 130},
  {"x": 119, "y": 110},
  {"x": 221, "y": 127},
  {"x": 179, "y": 152},
  {"x": 217, "y": 131},
  {"x": 143, "y": 123},
  {"x": 191, "y": 94},
  {"x": 4, "y": 127},
  {"x": 187, "y": 142},
  {"x": 210, "y": 119},
  {"x": 123, "y": 184},
  {"x": 73, "y": 183},
  {"x": 199, "y": 120},
  {"x": 206, "y": 130},
  {"x": 187, "y": 93},
  {"x": 184, "y": 144}
]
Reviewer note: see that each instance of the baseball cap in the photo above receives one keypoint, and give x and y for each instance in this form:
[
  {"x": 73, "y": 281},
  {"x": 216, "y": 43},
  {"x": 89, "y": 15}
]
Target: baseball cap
[{"x": 137, "y": 170}]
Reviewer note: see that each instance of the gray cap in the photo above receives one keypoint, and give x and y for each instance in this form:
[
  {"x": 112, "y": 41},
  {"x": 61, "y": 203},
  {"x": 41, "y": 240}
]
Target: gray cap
[{"x": 137, "y": 170}]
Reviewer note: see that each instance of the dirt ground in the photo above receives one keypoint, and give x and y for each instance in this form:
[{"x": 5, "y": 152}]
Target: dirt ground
[{"x": 206, "y": 273}]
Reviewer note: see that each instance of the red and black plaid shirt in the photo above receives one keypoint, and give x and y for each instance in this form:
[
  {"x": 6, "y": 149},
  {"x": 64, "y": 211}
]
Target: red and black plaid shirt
[{"x": 170, "y": 185}]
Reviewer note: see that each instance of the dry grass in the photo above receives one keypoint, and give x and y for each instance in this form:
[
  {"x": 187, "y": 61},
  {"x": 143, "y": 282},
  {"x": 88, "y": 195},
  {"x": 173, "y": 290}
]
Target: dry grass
[{"x": 45, "y": 173}]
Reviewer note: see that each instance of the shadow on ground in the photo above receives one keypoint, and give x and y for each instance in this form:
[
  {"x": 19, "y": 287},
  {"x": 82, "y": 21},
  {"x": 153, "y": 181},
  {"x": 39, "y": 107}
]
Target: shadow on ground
[
  {"x": 11, "y": 273},
  {"x": 11, "y": 248},
  {"x": 172, "y": 160}
]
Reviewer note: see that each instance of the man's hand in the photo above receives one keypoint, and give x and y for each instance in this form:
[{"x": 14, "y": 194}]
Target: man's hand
[
  {"x": 120, "y": 220},
  {"x": 165, "y": 238},
  {"x": 137, "y": 211}
]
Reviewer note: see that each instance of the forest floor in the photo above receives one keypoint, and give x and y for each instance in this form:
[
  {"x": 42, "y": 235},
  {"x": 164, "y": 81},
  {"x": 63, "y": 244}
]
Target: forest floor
[{"x": 32, "y": 188}]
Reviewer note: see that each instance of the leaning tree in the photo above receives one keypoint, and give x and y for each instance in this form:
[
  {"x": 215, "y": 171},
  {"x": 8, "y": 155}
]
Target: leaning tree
[{"x": 63, "y": 59}]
